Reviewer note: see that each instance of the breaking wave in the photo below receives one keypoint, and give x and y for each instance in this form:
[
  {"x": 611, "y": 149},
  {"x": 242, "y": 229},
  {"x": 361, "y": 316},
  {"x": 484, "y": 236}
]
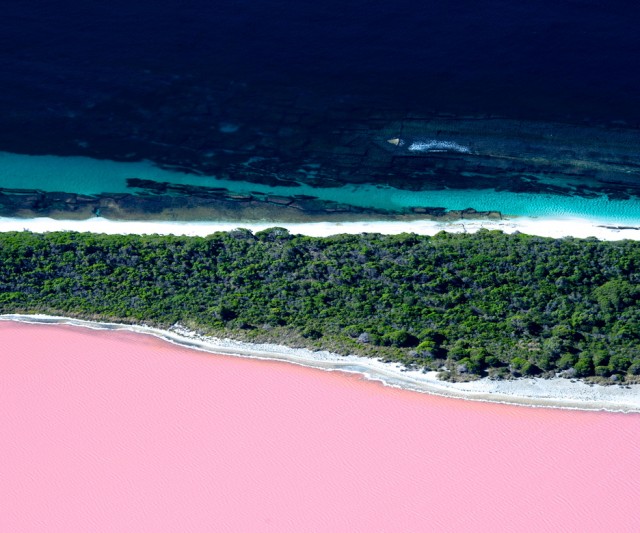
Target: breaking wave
[{"x": 438, "y": 146}]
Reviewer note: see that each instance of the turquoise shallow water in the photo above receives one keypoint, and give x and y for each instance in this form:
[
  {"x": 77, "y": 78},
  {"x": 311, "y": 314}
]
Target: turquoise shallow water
[{"x": 90, "y": 176}]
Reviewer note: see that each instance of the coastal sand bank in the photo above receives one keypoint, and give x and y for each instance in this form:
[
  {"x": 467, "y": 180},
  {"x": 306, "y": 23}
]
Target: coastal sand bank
[
  {"x": 557, "y": 393},
  {"x": 556, "y": 227}
]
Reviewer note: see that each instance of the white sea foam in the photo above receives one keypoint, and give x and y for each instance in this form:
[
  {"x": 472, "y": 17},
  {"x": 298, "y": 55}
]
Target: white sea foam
[{"x": 438, "y": 146}]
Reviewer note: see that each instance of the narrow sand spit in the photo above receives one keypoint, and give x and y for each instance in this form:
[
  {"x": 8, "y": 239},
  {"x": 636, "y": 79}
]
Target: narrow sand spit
[
  {"x": 545, "y": 227},
  {"x": 557, "y": 393}
]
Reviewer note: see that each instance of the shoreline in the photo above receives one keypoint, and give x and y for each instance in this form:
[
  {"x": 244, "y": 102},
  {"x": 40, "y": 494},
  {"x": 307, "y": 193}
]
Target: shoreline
[
  {"x": 559, "y": 393},
  {"x": 554, "y": 227}
]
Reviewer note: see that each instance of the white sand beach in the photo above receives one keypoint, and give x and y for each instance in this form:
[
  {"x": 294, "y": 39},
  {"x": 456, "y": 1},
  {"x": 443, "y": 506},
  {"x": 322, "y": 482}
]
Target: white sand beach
[
  {"x": 543, "y": 226},
  {"x": 534, "y": 392}
]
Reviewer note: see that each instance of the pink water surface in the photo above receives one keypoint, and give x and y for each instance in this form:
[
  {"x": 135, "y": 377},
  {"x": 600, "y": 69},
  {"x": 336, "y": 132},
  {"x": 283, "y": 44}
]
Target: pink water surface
[{"x": 114, "y": 431}]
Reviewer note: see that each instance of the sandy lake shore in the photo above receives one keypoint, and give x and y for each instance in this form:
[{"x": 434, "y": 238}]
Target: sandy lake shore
[{"x": 557, "y": 392}]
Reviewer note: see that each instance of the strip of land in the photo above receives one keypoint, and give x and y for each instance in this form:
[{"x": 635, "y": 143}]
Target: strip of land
[
  {"x": 533, "y": 392},
  {"x": 543, "y": 227}
]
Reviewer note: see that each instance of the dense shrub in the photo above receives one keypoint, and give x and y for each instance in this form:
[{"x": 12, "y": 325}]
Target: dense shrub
[{"x": 486, "y": 302}]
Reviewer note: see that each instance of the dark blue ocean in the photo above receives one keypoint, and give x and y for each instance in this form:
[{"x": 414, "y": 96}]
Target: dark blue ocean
[
  {"x": 560, "y": 58},
  {"x": 268, "y": 91}
]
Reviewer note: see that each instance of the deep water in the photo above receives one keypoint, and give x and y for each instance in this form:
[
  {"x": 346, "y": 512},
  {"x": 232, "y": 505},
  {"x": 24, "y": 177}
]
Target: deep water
[{"x": 566, "y": 58}]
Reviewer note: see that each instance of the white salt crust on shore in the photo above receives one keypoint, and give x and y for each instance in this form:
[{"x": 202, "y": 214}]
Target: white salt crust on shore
[
  {"x": 556, "y": 227},
  {"x": 534, "y": 392}
]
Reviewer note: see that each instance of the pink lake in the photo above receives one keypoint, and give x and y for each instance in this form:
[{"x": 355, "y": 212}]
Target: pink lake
[{"x": 115, "y": 431}]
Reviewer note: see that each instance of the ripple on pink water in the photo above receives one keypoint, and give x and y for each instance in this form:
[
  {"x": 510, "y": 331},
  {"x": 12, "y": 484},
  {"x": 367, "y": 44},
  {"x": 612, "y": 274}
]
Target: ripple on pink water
[{"x": 123, "y": 432}]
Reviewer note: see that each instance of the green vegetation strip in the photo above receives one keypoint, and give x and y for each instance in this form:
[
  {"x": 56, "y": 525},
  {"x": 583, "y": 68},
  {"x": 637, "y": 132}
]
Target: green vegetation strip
[{"x": 481, "y": 304}]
